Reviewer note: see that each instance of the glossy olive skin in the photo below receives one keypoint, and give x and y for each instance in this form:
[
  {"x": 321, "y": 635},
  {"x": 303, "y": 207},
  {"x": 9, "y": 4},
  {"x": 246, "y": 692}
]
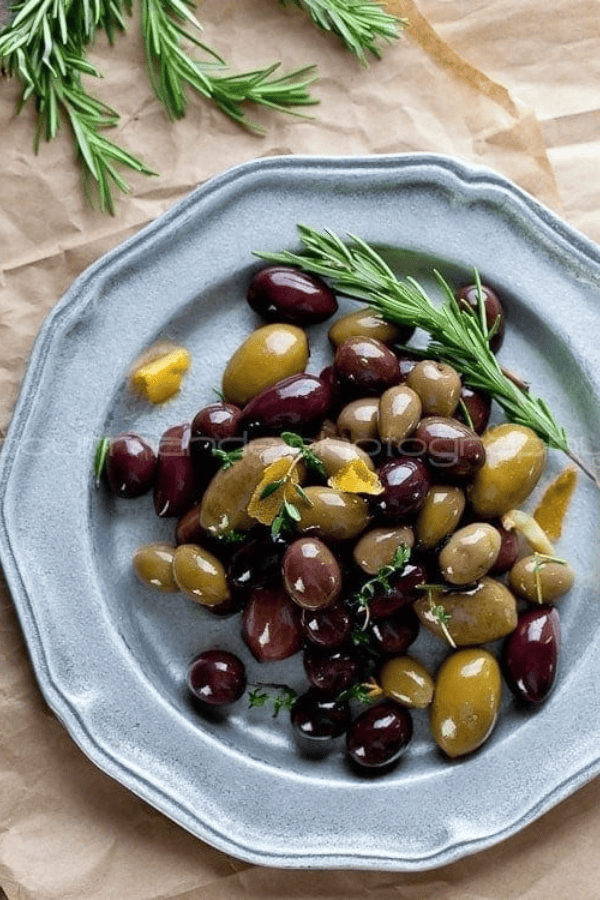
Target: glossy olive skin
[
  {"x": 467, "y": 698},
  {"x": 365, "y": 323},
  {"x": 439, "y": 515},
  {"x": 268, "y": 355},
  {"x": 481, "y": 615},
  {"x": 555, "y": 579},
  {"x": 213, "y": 426},
  {"x": 470, "y": 553},
  {"x": 437, "y": 385},
  {"x": 399, "y": 414},
  {"x": 153, "y": 565},
  {"x": 333, "y": 515},
  {"x": 376, "y": 547},
  {"x": 515, "y": 459},
  {"x": 509, "y": 550},
  {"x": 200, "y": 575},
  {"x": 216, "y": 677},
  {"x": 175, "y": 482},
  {"x": 271, "y": 625},
  {"x": 407, "y": 681},
  {"x": 357, "y": 422},
  {"x": 331, "y": 672},
  {"x": 311, "y": 573},
  {"x": 335, "y": 453},
  {"x": 452, "y": 450},
  {"x": 329, "y": 627},
  {"x": 378, "y": 737},
  {"x": 130, "y": 465},
  {"x": 492, "y": 305},
  {"x": 393, "y": 635},
  {"x": 365, "y": 367},
  {"x": 298, "y": 403},
  {"x": 403, "y": 591},
  {"x": 318, "y": 719},
  {"x": 406, "y": 483},
  {"x": 479, "y": 408},
  {"x": 285, "y": 294},
  {"x": 530, "y": 655}
]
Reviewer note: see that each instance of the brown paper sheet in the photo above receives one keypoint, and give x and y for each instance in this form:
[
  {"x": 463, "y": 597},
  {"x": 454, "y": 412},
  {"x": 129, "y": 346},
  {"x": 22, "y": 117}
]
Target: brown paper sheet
[{"x": 509, "y": 85}]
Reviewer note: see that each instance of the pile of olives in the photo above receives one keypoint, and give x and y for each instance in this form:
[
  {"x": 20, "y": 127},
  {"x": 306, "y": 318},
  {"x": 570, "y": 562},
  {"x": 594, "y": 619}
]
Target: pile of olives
[{"x": 348, "y": 575}]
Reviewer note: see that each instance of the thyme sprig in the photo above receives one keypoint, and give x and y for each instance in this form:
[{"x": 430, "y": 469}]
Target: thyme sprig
[
  {"x": 227, "y": 457},
  {"x": 456, "y": 337},
  {"x": 279, "y": 696},
  {"x": 381, "y": 580},
  {"x": 311, "y": 459},
  {"x": 358, "y": 23}
]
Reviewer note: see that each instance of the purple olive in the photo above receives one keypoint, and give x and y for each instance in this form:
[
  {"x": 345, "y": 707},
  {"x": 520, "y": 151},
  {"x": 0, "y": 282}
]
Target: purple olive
[
  {"x": 286, "y": 294},
  {"x": 216, "y": 677},
  {"x": 403, "y": 590},
  {"x": 311, "y": 573},
  {"x": 365, "y": 367},
  {"x": 298, "y": 403},
  {"x": 319, "y": 719},
  {"x": 256, "y": 562},
  {"x": 331, "y": 672},
  {"x": 450, "y": 448},
  {"x": 509, "y": 550},
  {"x": 175, "y": 485},
  {"x": 393, "y": 635},
  {"x": 530, "y": 654},
  {"x": 130, "y": 465},
  {"x": 479, "y": 407},
  {"x": 377, "y": 738},
  {"x": 469, "y": 295},
  {"x": 271, "y": 625},
  {"x": 329, "y": 627},
  {"x": 406, "y": 483}
]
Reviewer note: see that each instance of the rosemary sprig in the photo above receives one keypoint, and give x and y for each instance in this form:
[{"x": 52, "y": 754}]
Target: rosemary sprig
[
  {"x": 101, "y": 452},
  {"x": 358, "y": 23},
  {"x": 542, "y": 559},
  {"x": 457, "y": 337}
]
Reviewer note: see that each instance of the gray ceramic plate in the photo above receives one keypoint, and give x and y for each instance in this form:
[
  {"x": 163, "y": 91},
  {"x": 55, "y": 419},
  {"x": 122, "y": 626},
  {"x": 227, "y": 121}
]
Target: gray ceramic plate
[{"x": 111, "y": 656}]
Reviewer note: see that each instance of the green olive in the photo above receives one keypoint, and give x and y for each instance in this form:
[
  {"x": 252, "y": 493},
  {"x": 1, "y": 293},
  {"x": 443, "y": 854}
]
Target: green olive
[
  {"x": 335, "y": 453},
  {"x": 407, "y": 681},
  {"x": 466, "y": 701},
  {"x": 363, "y": 323},
  {"x": 399, "y": 413},
  {"x": 541, "y": 579},
  {"x": 333, "y": 515},
  {"x": 438, "y": 386},
  {"x": 376, "y": 548},
  {"x": 225, "y": 501},
  {"x": 153, "y": 565},
  {"x": 439, "y": 515},
  {"x": 484, "y": 614},
  {"x": 200, "y": 575},
  {"x": 268, "y": 355},
  {"x": 514, "y": 460},
  {"x": 358, "y": 420},
  {"x": 470, "y": 553}
]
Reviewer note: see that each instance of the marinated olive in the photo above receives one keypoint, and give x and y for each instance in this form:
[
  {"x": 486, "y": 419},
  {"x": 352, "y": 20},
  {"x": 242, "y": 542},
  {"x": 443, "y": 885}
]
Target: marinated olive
[
  {"x": 466, "y": 701},
  {"x": 175, "y": 483},
  {"x": 509, "y": 550},
  {"x": 376, "y": 548},
  {"x": 406, "y": 483},
  {"x": 329, "y": 627},
  {"x": 407, "y": 681},
  {"x": 438, "y": 386},
  {"x": 514, "y": 460},
  {"x": 211, "y": 428},
  {"x": 478, "y": 406},
  {"x": 333, "y": 515},
  {"x": 378, "y": 737},
  {"x": 530, "y": 654},
  {"x": 365, "y": 366},
  {"x": 200, "y": 575},
  {"x": 403, "y": 588},
  {"x": 451, "y": 449},
  {"x": 470, "y": 553},
  {"x": 217, "y": 677},
  {"x": 271, "y": 625},
  {"x": 286, "y": 294},
  {"x": 439, "y": 515},
  {"x": 541, "y": 579},
  {"x": 393, "y": 635},
  {"x": 481, "y": 615},
  {"x": 319, "y": 719},
  {"x": 357, "y": 421},
  {"x": 399, "y": 414},
  {"x": 366, "y": 323},
  {"x": 331, "y": 672},
  {"x": 130, "y": 465},
  {"x": 153, "y": 565},
  {"x": 335, "y": 454},
  {"x": 256, "y": 562},
  {"x": 268, "y": 355},
  {"x": 311, "y": 573},
  {"x": 492, "y": 306},
  {"x": 298, "y": 403}
]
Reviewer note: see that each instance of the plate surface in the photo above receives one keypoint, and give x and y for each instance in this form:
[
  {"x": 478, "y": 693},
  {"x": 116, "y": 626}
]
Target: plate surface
[{"x": 111, "y": 656}]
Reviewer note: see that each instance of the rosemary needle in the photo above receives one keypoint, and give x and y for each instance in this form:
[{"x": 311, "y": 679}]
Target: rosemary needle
[{"x": 458, "y": 337}]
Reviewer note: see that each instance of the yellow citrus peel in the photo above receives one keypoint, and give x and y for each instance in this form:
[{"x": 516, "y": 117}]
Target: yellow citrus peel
[
  {"x": 159, "y": 378},
  {"x": 355, "y": 478},
  {"x": 277, "y": 484},
  {"x": 552, "y": 509}
]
